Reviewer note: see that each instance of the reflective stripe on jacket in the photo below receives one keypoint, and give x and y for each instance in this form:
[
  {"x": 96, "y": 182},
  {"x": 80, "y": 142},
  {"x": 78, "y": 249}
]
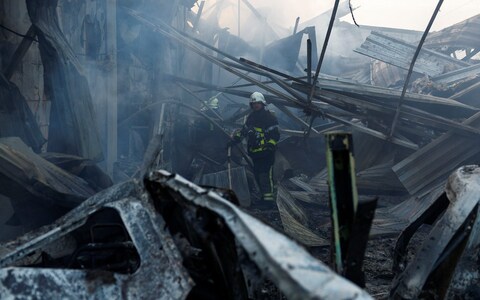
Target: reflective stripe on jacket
[{"x": 260, "y": 129}]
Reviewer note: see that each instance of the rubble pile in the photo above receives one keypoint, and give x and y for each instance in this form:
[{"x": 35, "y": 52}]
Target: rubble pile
[{"x": 102, "y": 104}]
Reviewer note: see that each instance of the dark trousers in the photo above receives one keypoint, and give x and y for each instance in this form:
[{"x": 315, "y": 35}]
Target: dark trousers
[{"x": 263, "y": 171}]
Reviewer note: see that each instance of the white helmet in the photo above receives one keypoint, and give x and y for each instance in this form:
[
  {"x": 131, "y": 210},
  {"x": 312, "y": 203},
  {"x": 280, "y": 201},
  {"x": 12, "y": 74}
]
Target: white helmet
[{"x": 257, "y": 97}]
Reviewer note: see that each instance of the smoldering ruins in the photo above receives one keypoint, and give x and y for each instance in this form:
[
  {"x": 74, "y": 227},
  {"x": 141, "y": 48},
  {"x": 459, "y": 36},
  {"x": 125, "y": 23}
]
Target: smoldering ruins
[{"x": 117, "y": 181}]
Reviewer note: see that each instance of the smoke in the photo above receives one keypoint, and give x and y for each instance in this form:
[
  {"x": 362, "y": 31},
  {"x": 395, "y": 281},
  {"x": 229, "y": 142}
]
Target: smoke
[{"x": 279, "y": 15}]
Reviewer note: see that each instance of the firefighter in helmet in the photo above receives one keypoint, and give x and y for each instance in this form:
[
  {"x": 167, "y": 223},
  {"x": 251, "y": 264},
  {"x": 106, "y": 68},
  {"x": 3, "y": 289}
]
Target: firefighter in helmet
[{"x": 261, "y": 131}]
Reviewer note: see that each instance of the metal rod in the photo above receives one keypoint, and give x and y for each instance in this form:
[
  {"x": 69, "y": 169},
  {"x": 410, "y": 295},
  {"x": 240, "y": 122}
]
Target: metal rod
[
  {"x": 301, "y": 104},
  {"x": 238, "y": 17},
  {"x": 199, "y": 14},
  {"x": 324, "y": 49},
  {"x": 410, "y": 70},
  {"x": 296, "y": 25},
  {"x": 265, "y": 68},
  {"x": 245, "y": 156},
  {"x": 229, "y": 165},
  {"x": 309, "y": 61}
]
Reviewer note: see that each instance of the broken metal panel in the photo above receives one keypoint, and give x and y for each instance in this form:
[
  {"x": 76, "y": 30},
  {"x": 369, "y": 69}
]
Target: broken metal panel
[
  {"x": 159, "y": 276},
  {"x": 386, "y": 75},
  {"x": 368, "y": 109},
  {"x": 239, "y": 183},
  {"x": 81, "y": 167},
  {"x": 463, "y": 35},
  {"x": 427, "y": 213},
  {"x": 16, "y": 118},
  {"x": 446, "y": 241},
  {"x": 379, "y": 179},
  {"x": 434, "y": 162},
  {"x": 43, "y": 180},
  {"x": 392, "y": 221},
  {"x": 283, "y": 53},
  {"x": 387, "y": 95},
  {"x": 458, "y": 75},
  {"x": 72, "y": 127},
  {"x": 286, "y": 264},
  {"x": 21, "y": 247},
  {"x": 295, "y": 220},
  {"x": 399, "y": 53},
  {"x": 466, "y": 279}
]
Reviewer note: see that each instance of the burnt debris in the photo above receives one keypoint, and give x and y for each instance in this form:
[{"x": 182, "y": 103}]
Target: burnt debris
[{"x": 120, "y": 178}]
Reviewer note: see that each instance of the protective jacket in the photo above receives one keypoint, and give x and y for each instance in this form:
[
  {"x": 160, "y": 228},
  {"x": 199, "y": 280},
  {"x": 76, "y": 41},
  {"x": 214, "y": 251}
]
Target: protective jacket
[{"x": 261, "y": 131}]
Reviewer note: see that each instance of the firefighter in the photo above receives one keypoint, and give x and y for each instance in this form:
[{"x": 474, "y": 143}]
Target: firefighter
[{"x": 261, "y": 131}]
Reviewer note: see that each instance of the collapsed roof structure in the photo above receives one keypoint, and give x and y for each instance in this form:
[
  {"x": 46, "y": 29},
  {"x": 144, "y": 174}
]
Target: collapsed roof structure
[{"x": 124, "y": 84}]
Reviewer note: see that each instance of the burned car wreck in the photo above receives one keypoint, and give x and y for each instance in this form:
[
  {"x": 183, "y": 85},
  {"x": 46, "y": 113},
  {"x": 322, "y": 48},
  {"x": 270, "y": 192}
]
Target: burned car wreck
[{"x": 169, "y": 240}]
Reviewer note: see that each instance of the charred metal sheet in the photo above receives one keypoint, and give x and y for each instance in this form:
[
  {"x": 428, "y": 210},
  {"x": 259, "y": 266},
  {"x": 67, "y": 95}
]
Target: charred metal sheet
[
  {"x": 285, "y": 263},
  {"x": 160, "y": 274},
  {"x": 379, "y": 180},
  {"x": 284, "y": 52},
  {"x": 406, "y": 217},
  {"x": 81, "y": 167},
  {"x": 295, "y": 220},
  {"x": 399, "y": 53},
  {"x": 434, "y": 162},
  {"x": 431, "y": 270},
  {"x": 16, "y": 118},
  {"x": 430, "y": 208},
  {"x": 458, "y": 75},
  {"x": 40, "y": 192},
  {"x": 466, "y": 280},
  {"x": 462, "y": 35},
  {"x": 72, "y": 127},
  {"x": 22, "y": 169},
  {"x": 239, "y": 183},
  {"x": 386, "y": 95}
]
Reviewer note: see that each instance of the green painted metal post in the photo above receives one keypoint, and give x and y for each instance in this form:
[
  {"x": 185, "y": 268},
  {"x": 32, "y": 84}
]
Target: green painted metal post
[{"x": 343, "y": 193}]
